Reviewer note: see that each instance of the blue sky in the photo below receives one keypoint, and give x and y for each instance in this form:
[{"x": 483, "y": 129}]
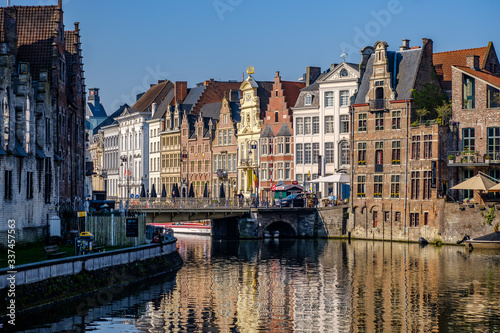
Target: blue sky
[{"x": 129, "y": 44}]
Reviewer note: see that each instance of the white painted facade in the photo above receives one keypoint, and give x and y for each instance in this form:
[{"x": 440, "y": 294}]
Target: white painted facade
[
  {"x": 111, "y": 160},
  {"x": 154, "y": 155},
  {"x": 323, "y": 127}
]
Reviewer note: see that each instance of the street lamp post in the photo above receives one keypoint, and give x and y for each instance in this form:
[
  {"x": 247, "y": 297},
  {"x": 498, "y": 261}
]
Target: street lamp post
[
  {"x": 184, "y": 158},
  {"x": 254, "y": 145},
  {"x": 126, "y": 173}
]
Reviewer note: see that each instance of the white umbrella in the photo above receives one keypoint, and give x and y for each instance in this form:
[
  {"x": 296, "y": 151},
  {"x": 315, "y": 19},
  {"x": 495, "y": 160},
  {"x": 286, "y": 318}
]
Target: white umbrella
[{"x": 335, "y": 178}]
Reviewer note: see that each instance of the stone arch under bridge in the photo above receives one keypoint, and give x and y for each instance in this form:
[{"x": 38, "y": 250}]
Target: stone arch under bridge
[{"x": 290, "y": 222}]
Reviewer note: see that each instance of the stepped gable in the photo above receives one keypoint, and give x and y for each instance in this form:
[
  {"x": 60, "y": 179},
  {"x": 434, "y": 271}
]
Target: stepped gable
[
  {"x": 155, "y": 94},
  {"x": 38, "y": 28},
  {"x": 444, "y": 60}
]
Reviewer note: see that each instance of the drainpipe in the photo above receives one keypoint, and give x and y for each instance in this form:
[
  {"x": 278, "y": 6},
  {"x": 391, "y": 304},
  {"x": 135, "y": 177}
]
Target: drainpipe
[
  {"x": 351, "y": 134},
  {"x": 406, "y": 166}
]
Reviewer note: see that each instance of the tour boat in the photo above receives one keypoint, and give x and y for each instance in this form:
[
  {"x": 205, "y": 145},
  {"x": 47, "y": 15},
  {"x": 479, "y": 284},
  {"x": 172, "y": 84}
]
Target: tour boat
[
  {"x": 488, "y": 242},
  {"x": 197, "y": 228}
]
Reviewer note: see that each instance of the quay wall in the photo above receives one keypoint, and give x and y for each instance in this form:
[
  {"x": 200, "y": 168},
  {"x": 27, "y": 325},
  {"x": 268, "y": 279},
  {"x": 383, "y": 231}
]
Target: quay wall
[{"x": 36, "y": 272}]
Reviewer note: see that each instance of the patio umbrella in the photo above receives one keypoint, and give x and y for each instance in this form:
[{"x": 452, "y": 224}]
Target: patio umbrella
[
  {"x": 177, "y": 194},
  {"x": 478, "y": 182},
  {"x": 222, "y": 194},
  {"x": 205, "y": 191},
  {"x": 153, "y": 191},
  {"x": 143, "y": 191},
  {"x": 191, "y": 191},
  {"x": 164, "y": 192}
]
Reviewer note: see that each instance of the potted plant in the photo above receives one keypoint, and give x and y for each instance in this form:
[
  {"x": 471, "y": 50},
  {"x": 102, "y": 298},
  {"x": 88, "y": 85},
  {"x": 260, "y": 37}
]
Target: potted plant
[{"x": 451, "y": 157}]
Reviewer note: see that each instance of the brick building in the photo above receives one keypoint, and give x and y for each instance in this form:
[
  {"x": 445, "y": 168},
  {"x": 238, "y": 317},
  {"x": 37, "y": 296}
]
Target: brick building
[
  {"x": 398, "y": 165},
  {"x": 42, "y": 96},
  {"x": 476, "y": 119},
  {"x": 276, "y": 141}
]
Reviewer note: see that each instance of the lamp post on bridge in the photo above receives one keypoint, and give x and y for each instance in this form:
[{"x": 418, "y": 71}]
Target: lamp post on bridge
[
  {"x": 126, "y": 173},
  {"x": 254, "y": 145}
]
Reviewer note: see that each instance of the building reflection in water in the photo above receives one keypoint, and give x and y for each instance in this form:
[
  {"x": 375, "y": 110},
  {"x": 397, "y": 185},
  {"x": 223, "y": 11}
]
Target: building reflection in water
[{"x": 328, "y": 286}]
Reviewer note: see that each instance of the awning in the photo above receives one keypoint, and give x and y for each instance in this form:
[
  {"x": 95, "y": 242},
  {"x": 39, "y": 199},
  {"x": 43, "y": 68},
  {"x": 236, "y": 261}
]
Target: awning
[
  {"x": 335, "y": 178},
  {"x": 39, "y": 153},
  {"x": 19, "y": 150}
]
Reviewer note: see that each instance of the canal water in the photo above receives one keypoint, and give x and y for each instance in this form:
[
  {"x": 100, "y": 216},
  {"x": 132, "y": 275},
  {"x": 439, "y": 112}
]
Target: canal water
[{"x": 297, "y": 286}]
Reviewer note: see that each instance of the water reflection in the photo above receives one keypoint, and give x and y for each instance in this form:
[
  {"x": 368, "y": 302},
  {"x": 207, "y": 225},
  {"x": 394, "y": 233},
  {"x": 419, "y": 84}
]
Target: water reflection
[{"x": 314, "y": 286}]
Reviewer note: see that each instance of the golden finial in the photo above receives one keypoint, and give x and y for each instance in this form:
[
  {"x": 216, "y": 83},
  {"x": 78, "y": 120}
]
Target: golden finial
[{"x": 250, "y": 70}]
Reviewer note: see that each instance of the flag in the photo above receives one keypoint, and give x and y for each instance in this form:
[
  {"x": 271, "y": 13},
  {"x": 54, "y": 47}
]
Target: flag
[{"x": 255, "y": 178}]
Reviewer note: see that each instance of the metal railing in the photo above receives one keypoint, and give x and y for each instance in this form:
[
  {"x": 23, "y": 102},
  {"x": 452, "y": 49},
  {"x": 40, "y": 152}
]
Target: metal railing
[
  {"x": 378, "y": 104},
  {"x": 474, "y": 157}
]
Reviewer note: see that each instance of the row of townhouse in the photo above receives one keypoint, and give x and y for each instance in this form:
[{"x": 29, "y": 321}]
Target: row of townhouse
[
  {"x": 362, "y": 120},
  {"x": 42, "y": 98}
]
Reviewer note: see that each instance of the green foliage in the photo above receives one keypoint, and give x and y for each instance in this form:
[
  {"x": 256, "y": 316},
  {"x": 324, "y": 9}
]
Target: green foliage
[
  {"x": 430, "y": 97},
  {"x": 444, "y": 112},
  {"x": 421, "y": 113},
  {"x": 490, "y": 216}
]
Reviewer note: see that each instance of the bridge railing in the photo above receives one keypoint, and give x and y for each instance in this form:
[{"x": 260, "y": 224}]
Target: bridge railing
[{"x": 188, "y": 203}]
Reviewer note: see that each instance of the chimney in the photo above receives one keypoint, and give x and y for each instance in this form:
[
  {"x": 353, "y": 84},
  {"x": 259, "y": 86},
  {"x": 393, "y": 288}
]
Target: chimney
[
  {"x": 312, "y": 74},
  {"x": 154, "y": 106},
  {"x": 180, "y": 91},
  {"x": 8, "y": 3},
  {"x": 472, "y": 61},
  {"x": 366, "y": 52},
  {"x": 405, "y": 46}
]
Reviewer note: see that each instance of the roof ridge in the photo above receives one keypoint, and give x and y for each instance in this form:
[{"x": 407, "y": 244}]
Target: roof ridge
[{"x": 474, "y": 48}]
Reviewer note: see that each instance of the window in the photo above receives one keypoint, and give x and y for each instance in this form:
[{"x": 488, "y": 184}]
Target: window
[
  {"x": 493, "y": 97},
  {"x": 467, "y": 194},
  {"x": 280, "y": 144},
  {"x": 48, "y": 181},
  {"x": 329, "y": 150},
  {"x": 263, "y": 149},
  {"x": 397, "y": 216},
  {"x": 427, "y": 146},
  {"x": 396, "y": 119},
  {"x": 396, "y": 152},
  {"x": 270, "y": 145},
  {"x": 8, "y": 184},
  {"x": 308, "y": 99},
  {"x": 361, "y": 153},
  {"x": 344, "y": 153},
  {"x": 280, "y": 170},
  {"x": 344, "y": 98},
  {"x": 469, "y": 91},
  {"x": 276, "y": 117},
  {"x": 315, "y": 152},
  {"x": 361, "y": 186},
  {"x": 229, "y": 136},
  {"x": 328, "y": 124},
  {"x": 344, "y": 73},
  {"x": 377, "y": 186},
  {"x": 299, "y": 177},
  {"x": 493, "y": 140},
  {"x": 379, "y": 121},
  {"x": 344, "y": 124},
  {"x": 307, "y": 125},
  {"x": 426, "y": 218},
  {"x": 362, "y": 121},
  {"x": 427, "y": 185},
  {"x": 315, "y": 125},
  {"x": 415, "y": 147},
  {"x": 379, "y": 152},
  {"x": 415, "y": 185},
  {"x": 414, "y": 219},
  {"x": 299, "y": 154},
  {"x": 328, "y": 99},
  {"x": 287, "y": 145},
  {"x": 263, "y": 171},
  {"x": 375, "y": 219},
  {"x": 468, "y": 139},
  {"x": 394, "y": 186},
  {"x": 307, "y": 153},
  {"x": 300, "y": 126},
  {"x": 287, "y": 171},
  {"x": 387, "y": 216}
]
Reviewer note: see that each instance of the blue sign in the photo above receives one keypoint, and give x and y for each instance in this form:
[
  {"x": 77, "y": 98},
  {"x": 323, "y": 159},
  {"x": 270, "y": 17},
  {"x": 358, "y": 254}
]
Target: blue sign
[
  {"x": 137, "y": 196},
  {"x": 132, "y": 196}
]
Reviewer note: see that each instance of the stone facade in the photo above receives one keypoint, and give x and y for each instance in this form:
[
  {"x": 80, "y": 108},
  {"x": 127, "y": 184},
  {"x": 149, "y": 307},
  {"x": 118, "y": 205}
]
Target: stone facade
[{"x": 42, "y": 95}]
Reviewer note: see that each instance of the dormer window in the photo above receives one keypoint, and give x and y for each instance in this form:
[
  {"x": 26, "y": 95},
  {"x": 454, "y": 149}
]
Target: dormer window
[
  {"x": 308, "y": 99},
  {"x": 344, "y": 73}
]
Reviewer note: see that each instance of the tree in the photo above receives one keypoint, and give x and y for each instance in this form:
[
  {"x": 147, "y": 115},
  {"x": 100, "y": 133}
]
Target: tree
[
  {"x": 430, "y": 97},
  {"x": 422, "y": 113},
  {"x": 444, "y": 112}
]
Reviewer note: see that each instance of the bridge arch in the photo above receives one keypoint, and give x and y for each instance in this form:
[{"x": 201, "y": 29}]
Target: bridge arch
[{"x": 285, "y": 228}]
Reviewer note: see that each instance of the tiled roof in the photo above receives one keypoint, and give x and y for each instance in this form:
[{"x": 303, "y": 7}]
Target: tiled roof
[
  {"x": 292, "y": 91},
  {"x": 267, "y": 133},
  {"x": 37, "y": 28},
  {"x": 284, "y": 131},
  {"x": 111, "y": 119},
  {"x": 155, "y": 94},
  {"x": 164, "y": 105},
  {"x": 444, "y": 60},
  {"x": 483, "y": 75},
  {"x": 211, "y": 110}
]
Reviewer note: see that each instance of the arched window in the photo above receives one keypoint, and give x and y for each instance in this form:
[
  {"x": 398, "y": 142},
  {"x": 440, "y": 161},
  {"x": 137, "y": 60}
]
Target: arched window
[
  {"x": 344, "y": 153},
  {"x": 344, "y": 73}
]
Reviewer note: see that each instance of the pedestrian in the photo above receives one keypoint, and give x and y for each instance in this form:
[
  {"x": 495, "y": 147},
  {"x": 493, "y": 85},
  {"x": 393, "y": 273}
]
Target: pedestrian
[{"x": 173, "y": 196}]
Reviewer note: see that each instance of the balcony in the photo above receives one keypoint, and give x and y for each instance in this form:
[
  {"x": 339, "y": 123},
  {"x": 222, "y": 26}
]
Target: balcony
[
  {"x": 469, "y": 157},
  {"x": 379, "y": 104},
  {"x": 247, "y": 162}
]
